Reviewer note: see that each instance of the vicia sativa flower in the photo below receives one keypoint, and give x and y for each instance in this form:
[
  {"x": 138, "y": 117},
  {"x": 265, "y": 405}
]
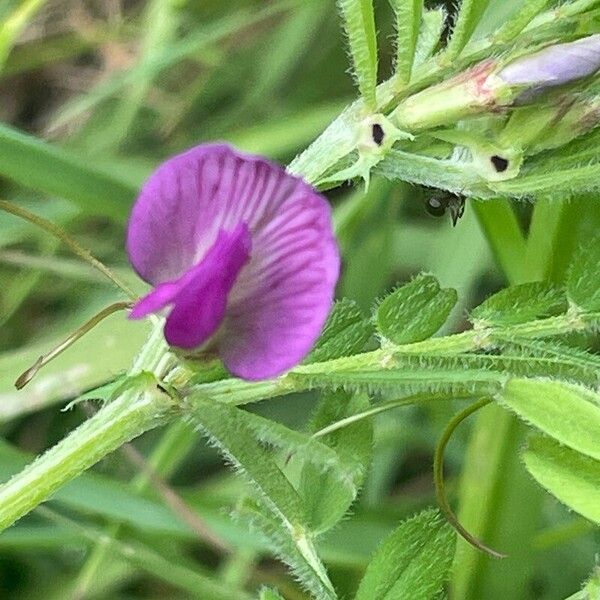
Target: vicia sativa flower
[{"x": 241, "y": 253}]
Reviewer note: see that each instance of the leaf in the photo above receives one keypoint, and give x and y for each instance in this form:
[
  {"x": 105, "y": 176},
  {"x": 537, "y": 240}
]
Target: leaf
[
  {"x": 408, "y": 20},
  {"x": 299, "y": 553},
  {"x": 591, "y": 589},
  {"x": 38, "y": 165},
  {"x": 345, "y": 333},
  {"x": 415, "y": 311},
  {"x": 470, "y": 12},
  {"x": 430, "y": 35},
  {"x": 359, "y": 23},
  {"x": 521, "y": 304},
  {"x": 228, "y": 429},
  {"x": 583, "y": 280},
  {"x": 570, "y": 476},
  {"x": 565, "y": 412},
  {"x": 413, "y": 562},
  {"x": 269, "y": 594},
  {"x": 342, "y": 468},
  {"x": 326, "y": 497}
]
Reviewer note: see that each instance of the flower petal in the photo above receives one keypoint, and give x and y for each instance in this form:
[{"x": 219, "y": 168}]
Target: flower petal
[
  {"x": 283, "y": 296},
  {"x": 201, "y": 302},
  {"x": 279, "y": 303},
  {"x": 190, "y": 197}
]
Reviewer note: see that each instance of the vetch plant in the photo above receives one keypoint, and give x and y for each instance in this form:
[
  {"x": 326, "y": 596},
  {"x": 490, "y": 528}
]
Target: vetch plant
[{"x": 243, "y": 263}]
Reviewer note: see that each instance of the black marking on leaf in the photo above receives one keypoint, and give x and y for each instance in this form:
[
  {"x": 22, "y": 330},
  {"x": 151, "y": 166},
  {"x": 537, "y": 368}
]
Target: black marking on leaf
[
  {"x": 500, "y": 163},
  {"x": 378, "y": 133}
]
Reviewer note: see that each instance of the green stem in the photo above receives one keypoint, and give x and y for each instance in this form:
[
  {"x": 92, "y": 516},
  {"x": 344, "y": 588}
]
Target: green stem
[
  {"x": 438, "y": 476},
  {"x": 135, "y": 411}
]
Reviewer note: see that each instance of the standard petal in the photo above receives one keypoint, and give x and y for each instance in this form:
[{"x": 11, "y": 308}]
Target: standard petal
[
  {"x": 283, "y": 296},
  {"x": 192, "y": 196}
]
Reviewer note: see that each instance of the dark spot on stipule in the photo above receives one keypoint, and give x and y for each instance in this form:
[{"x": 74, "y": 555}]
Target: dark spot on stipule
[
  {"x": 378, "y": 134},
  {"x": 500, "y": 163}
]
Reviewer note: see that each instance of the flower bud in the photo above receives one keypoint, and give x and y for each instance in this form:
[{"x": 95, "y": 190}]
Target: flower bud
[{"x": 555, "y": 65}]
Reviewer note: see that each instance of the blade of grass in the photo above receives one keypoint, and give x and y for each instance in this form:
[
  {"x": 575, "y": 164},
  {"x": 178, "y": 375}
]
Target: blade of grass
[{"x": 41, "y": 166}]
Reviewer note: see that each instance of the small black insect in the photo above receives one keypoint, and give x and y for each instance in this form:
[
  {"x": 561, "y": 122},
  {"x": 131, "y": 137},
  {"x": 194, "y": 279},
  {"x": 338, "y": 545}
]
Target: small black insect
[
  {"x": 440, "y": 202},
  {"x": 377, "y": 133}
]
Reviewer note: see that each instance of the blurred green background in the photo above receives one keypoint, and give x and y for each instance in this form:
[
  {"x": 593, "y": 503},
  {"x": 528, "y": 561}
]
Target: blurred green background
[{"x": 115, "y": 86}]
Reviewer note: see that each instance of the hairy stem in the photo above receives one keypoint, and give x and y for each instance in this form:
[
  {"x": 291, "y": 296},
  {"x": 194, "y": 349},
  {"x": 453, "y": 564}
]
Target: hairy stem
[{"x": 136, "y": 410}]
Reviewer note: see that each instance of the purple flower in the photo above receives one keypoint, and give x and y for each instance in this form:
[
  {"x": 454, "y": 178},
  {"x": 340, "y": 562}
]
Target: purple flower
[
  {"x": 243, "y": 254},
  {"x": 556, "y": 64}
]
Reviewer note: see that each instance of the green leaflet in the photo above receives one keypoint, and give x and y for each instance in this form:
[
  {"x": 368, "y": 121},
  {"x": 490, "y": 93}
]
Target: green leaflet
[
  {"x": 430, "y": 34},
  {"x": 568, "y": 413},
  {"x": 572, "y": 477},
  {"x": 591, "y": 589},
  {"x": 412, "y": 562},
  {"x": 345, "y": 333},
  {"x": 298, "y": 552},
  {"x": 359, "y": 23},
  {"x": 408, "y": 20},
  {"x": 521, "y": 304},
  {"x": 269, "y": 594},
  {"x": 583, "y": 280},
  {"x": 415, "y": 311},
  {"x": 326, "y": 497},
  {"x": 469, "y": 15},
  {"x": 284, "y": 521}
]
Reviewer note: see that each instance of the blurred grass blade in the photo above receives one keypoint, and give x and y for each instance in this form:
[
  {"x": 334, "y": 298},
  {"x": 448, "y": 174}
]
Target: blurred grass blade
[
  {"x": 500, "y": 225},
  {"x": 469, "y": 14},
  {"x": 161, "y": 20},
  {"x": 408, "y": 22},
  {"x": 41, "y": 166},
  {"x": 568, "y": 413},
  {"x": 190, "y": 46},
  {"x": 175, "y": 572},
  {"x": 11, "y": 27},
  {"x": 94, "y": 361},
  {"x": 359, "y": 24},
  {"x": 572, "y": 477}
]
